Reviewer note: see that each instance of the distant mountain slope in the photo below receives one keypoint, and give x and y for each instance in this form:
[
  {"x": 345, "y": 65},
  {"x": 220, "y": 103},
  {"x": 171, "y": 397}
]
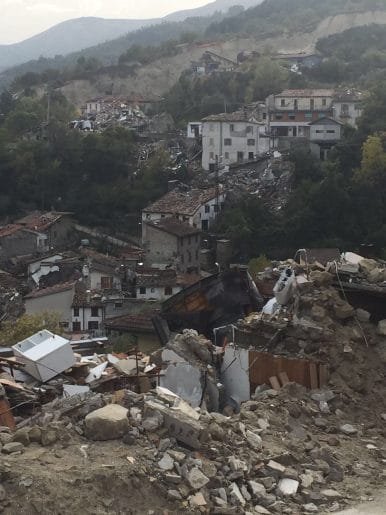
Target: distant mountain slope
[
  {"x": 80, "y": 33},
  {"x": 67, "y": 37},
  {"x": 209, "y": 9}
]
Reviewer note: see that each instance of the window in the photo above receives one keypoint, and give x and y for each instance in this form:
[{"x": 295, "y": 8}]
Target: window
[
  {"x": 142, "y": 291},
  {"x": 168, "y": 290},
  {"x": 231, "y": 127},
  {"x": 76, "y": 312},
  {"x": 106, "y": 283},
  {"x": 308, "y": 116},
  {"x": 94, "y": 311},
  {"x": 291, "y": 116},
  {"x": 182, "y": 259},
  {"x": 148, "y": 216},
  {"x": 211, "y": 155},
  {"x": 296, "y": 104},
  {"x": 240, "y": 156},
  {"x": 250, "y": 129},
  {"x": 330, "y": 131},
  {"x": 318, "y": 131},
  {"x": 76, "y": 326},
  {"x": 312, "y": 104},
  {"x": 324, "y": 102},
  {"x": 278, "y": 116},
  {"x": 211, "y": 142},
  {"x": 227, "y": 142},
  {"x": 93, "y": 326},
  {"x": 344, "y": 110},
  {"x": 118, "y": 305},
  {"x": 189, "y": 256},
  {"x": 152, "y": 290},
  {"x": 264, "y": 116},
  {"x": 251, "y": 155},
  {"x": 282, "y": 102},
  {"x": 226, "y": 155},
  {"x": 251, "y": 142}
]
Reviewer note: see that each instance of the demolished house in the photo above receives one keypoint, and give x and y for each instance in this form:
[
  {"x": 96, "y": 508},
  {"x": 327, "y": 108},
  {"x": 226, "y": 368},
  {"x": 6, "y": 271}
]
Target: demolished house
[{"x": 250, "y": 405}]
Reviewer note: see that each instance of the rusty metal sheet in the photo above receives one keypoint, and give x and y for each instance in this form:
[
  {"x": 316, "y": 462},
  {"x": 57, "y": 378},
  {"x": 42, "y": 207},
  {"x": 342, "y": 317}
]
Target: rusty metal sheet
[{"x": 263, "y": 366}]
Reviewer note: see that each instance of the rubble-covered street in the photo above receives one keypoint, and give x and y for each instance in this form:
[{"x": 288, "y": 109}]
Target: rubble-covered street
[{"x": 308, "y": 439}]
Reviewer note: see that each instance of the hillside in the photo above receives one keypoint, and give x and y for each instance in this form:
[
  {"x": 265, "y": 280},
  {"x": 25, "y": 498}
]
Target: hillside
[
  {"x": 257, "y": 28},
  {"x": 81, "y": 33},
  {"x": 157, "y": 78},
  {"x": 67, "y": 37},
  {"x": 211, "y": 8}
]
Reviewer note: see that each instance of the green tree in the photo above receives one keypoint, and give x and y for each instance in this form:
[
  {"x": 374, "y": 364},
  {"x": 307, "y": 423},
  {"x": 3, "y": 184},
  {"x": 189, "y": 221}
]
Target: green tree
[{"x": 27, "y": 325}]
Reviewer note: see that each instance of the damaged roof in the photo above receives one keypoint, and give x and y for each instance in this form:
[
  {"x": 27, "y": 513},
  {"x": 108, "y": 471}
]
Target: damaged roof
[
  {"x": 38, "y": 221},
  {"x": 10, "y": 229},
  {"x": 141, "y": 322},
  {"x": 237, "y": 116},
  {"x": 183, "y": 203}
]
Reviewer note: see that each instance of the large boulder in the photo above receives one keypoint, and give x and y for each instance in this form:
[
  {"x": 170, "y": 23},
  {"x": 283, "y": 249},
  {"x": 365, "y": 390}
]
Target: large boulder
[{"x": 108, "y": 423}]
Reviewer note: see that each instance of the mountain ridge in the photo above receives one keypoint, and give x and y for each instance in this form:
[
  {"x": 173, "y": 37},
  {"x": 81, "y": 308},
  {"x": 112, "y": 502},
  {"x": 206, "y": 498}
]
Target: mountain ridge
[{"x": 80, "y": 33}]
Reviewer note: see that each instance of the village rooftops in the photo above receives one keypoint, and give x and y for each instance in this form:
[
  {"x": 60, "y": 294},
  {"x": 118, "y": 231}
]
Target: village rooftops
[
  {"x": 237, "y": 116},
  {"x": 86, "y": 298},
  {"x": 174, "y": 227},
  {"x": 183, "y": 203},
  {"x": 58, "y": 288},
  {"x": 40, "y": 222},
  {"x": 306, "y": 93},
  {"x": 10, "y": 229}
]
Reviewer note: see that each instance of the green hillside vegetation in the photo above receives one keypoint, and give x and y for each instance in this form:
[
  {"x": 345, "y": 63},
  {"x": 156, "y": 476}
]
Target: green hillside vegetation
[
  {"x": 275, "y": 17},
  {"x": 358, "y": 54}
]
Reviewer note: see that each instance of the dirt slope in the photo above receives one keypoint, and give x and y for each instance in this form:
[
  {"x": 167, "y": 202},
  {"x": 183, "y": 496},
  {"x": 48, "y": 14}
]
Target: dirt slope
[{"x": 157, "y": 78}]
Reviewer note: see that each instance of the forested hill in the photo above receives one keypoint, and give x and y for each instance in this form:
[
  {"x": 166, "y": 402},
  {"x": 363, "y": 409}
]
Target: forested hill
[{"x": 165, "y": 50}]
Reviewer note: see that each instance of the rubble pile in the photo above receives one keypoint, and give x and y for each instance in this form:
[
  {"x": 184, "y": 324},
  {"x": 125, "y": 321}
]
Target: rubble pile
[{"x": 289, "y": 449}]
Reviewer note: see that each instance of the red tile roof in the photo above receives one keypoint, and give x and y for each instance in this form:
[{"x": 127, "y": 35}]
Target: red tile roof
[{"x": 7, "y": 230}]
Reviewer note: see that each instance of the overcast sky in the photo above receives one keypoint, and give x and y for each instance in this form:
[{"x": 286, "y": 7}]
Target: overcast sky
[{"x": 21, "y": 19}]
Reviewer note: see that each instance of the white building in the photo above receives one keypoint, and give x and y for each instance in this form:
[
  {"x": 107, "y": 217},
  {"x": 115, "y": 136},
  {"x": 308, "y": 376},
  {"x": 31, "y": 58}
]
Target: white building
[
  {"x": 198, "y": 208},
  {"x": 154, "y": 284},
  {"x": 229, "y": 138},
  {"x": 348, "y": 107},
  {"x": 88, "y": 310}
]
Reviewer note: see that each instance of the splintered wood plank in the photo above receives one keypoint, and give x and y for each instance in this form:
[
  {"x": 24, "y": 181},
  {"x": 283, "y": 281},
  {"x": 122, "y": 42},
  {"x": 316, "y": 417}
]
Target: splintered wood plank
[
  {"x": 274, "y": 383},
  {"x": 6, "y": 415},
  {"x": 314, "y": 376},
  {"x": 283, "y": 376}
]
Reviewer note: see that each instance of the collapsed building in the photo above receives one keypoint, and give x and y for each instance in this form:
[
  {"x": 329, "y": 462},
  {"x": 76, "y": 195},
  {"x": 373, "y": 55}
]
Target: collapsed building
[{"x": 248, "y": 407}]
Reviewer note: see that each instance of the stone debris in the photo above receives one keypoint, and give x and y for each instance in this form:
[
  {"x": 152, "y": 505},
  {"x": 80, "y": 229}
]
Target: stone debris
[
  {"x": 108, "y": 423},
  {"x": 303, "y": 448}
]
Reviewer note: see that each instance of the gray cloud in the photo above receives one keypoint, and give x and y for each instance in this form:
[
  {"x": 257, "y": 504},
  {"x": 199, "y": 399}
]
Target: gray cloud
[{"x": 21, "y": 19}]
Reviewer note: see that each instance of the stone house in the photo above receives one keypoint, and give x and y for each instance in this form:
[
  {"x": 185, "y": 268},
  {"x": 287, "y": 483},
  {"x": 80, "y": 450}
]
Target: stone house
[
  {"x": 156, "y": 284},
  {"x": 170, "y": 242},
  {"x": 17, "y": 240},
  {"x": 348, "y": 107},
  {"x": 57, "y": 227},
  {"x": 324, "y": 134}
]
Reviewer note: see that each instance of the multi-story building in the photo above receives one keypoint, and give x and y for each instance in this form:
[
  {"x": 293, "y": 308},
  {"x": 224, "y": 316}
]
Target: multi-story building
[
  {"x": 229, "y": 138},
  {"x": 292, "y": 111},
  {"x": 348, "y": 107},
  {"x": 173, "y": 243}
]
